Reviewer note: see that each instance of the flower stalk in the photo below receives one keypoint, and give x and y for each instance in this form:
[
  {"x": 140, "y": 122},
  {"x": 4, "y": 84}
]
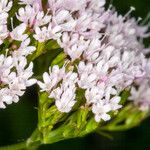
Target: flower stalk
[{"x": 19, "y": 146}]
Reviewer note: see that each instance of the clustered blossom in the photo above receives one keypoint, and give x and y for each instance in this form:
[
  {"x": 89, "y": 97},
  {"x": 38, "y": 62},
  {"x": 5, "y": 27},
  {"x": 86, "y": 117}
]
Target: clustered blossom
[
  {"x": 5, "y": 6},
  {"x": 65, "y": 94},
  {"x": 32, "y": 16},
  {"x": 15, "y": 72},
  {"x": 111, "y": 56},
  {"x": 140, "y": 94},
  {"x": 105, "y": 54},
  {"x": 14, "y": 78},
  {"x": 30, "y": 2}
]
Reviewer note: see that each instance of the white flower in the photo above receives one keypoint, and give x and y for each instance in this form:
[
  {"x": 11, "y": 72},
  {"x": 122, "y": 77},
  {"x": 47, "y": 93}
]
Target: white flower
[
  {"x": 32, "y": 16},
  {"x": 26, "y": 1},
  {"x": 5, "y": 98},
  {"x": 3, "y": 27},
  {"x": 32, "y": 2},
  {"x": 24, "y": 49},
  {"x": 93, "y": 50},
  {"x": 124, "y": 31},
  {"x": 25, "y": 73},
  {"x": 6, "y": 63},
  {"x": 3, "y": 18},
  {"x": 96, "y": 4},
  {"x": 114, "y": 103},
  {"x": 109, "y": 55},
  {"x": 41, "y": 34},
  {"x": 102, "y": 107},
  {"x": 71, "y": 77},
  {"x": 87, "y": 77},
  {"x": 74, "y": 45},
  {"x": 54, "y": 32},
  {"x": 42, "y": 19},
  {"x": 141, "y": 95},
  {"x": 101, "y": 110},
  {"x": 15, "y": 77},
  {"x": 5, "y": 5},
  {"x": 62, "y": 16},
  {"x": 46, "y": 33},
  {"x": 132, "y": 68},
  {"x": 77, "y": 4},
  {"x": 94, "y": 94},
  {"x": 65, "y": 94},
  {"x": 51, "y": 80},
  {"x": 64, "y": 97},
  {"x": 27, "y": 15},
  {"x": 18, "y": 33}
]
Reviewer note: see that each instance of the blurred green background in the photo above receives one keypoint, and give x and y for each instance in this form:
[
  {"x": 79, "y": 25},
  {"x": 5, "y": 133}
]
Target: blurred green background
[{"x": 19, "y": 120}]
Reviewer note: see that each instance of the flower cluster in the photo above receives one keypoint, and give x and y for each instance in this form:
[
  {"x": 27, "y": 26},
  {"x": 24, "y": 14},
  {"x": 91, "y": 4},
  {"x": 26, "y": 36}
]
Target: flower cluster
[
  {"x": 65, "y": 94},
  {"x": 15, "y": 72},
  {"x": 105, "y": 54},
  {"x": 14, "y": 83},
  {"x": 5, "y": 6},
  {"x": 140, "y": 93},
  {"x": 110, "y": 56}
]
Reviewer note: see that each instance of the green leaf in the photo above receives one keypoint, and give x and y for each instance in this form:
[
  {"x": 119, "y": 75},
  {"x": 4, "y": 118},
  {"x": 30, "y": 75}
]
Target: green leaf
[
  {"x": 124, "y": 96},
  {"x": 59, "y": 60}
]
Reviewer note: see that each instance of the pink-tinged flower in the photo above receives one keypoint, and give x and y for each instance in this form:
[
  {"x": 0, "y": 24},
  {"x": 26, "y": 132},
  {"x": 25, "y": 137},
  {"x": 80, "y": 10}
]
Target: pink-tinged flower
[
  {"x": 18, "y": 33},
  {"x": 15, "y": 76},
  {"x": 103, "y": 48},
  {"x": 51, "y": 80},
  {"x": 141, "y": 95},
  {"x": 23, "y": 50},
  {"x": 65, "y": 95},
  {"x": 96, "y": 5},
  {"x": 101, "y": 110},
  {"x": 77, "y": 5},
  {"x": 32, "y": 16},
  {"x": 5, "y": 5},
  {"x": 94, "y": 94},
  {"x": 3, "y": 33},
  {"x": 32, "y": 2},
  {"x": 74, "y": 45},
  {"x": 41, "y": 34}
]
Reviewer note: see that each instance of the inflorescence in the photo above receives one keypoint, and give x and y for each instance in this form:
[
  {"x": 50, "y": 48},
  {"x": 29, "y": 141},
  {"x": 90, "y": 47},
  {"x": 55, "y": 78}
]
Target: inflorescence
[{"x": 105, "y": 54}]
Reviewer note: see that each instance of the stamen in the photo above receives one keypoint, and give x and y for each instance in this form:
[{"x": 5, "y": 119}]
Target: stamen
[
  {"x": 110, "y": 7},
  {"x": 111, "y": 3},
  {"x": 103, "y": 37},
  {"x": 6, "y": 54},
  {"x": 129, "y": 12},
  {"x": 12, "y": 26},
  {"x": 48, "y": 10},
  {"x": 139, "y": 19}
]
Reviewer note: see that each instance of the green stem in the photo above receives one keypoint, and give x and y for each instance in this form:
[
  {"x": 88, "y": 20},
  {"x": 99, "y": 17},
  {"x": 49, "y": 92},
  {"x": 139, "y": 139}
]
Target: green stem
[
  {"x": 39, "y": 51},
  {"x": 19, "y": 146},
  {"x": 31, "y": 143}
]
